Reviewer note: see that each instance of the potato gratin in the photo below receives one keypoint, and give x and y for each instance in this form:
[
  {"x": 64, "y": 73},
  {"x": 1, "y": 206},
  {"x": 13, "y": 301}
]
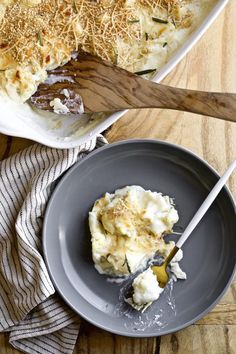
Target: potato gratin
[
  {"x": 36, "y": 35},
  {"x": 127, "y": 229}
]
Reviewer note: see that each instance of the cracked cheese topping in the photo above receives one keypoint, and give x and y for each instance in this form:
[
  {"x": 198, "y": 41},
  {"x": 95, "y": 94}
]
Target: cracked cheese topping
[{"x": 127, "y": 229}]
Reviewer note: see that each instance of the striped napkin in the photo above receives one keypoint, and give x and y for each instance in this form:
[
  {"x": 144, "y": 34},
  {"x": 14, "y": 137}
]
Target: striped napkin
[{"x": 37, "y": 319}]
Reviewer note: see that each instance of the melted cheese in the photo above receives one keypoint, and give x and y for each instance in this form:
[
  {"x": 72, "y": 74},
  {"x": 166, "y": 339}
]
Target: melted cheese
[{"x": 127, "y": 229}]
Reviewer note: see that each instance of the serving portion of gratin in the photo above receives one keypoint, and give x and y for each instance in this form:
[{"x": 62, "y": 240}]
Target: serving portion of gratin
[
  {"x": 36, "y": 35},
  {"x": 127, "y": 229}
]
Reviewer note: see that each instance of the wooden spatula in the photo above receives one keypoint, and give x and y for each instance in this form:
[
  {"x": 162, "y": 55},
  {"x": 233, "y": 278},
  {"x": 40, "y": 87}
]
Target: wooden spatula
[{"x": 104, "y": 87}]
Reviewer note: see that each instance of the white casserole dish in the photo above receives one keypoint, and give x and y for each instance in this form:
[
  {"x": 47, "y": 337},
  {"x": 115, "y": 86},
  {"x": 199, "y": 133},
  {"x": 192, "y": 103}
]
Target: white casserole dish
[{"x": 66, "y": 132}]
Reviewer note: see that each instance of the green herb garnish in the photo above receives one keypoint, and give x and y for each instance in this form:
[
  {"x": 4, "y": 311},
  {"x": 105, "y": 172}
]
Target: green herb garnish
[
  {"x": 133, "y": 21},
  {"x": 146, "y": 36},
  {"x": 74, "y": 7},
  {"x": 159, "y": 20},
  {"x": 164, "y": 44},
  {"x": 108, "y": 255},
  {"x": 127, "y": 264},
  {"x": 115, "y": 61},
  {"x": 143, "y": 72},
  {"x": 40, "y": 39}
]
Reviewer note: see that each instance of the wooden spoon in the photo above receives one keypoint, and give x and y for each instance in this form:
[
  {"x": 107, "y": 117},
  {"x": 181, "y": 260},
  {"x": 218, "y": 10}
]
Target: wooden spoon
[{"x": 103, "y": 87}]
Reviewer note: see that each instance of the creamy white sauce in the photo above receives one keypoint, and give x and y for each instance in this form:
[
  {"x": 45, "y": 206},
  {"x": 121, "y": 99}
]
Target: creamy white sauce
[
  {"x": 175, "y": 268},
  {"x": 52, "y": 79},
  {"x": 177, "y": 271},
  {"x": 179, "y": 255},
  {"x": 66, "y": 93}
]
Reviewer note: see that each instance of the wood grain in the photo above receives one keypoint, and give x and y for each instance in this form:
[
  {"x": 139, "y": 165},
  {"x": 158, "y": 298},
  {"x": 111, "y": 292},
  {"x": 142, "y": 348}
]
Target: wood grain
[
  {"x": 201, "y": 340},
  {"x": 105, "y": 87},
  {"x": 97, "y": 341},
  {"x": 209, "y": 66},
  {"x": 223, "y": 314}
]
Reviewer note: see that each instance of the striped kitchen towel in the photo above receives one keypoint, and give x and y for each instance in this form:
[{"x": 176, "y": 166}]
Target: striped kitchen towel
[{"x": 37, "y": 319}]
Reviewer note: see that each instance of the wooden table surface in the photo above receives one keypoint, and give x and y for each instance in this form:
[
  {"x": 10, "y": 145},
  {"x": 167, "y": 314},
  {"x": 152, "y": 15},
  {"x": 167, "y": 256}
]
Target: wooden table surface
[{"x": 209, "y": 66}]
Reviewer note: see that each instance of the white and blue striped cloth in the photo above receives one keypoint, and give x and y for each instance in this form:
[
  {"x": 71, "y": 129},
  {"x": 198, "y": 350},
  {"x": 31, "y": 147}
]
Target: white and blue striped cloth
[{"x": 37, "y": 320}]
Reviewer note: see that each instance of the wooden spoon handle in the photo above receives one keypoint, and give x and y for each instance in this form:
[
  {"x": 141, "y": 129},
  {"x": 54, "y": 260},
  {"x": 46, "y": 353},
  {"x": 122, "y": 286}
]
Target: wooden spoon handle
[
  {"x": 105, "y": 87},
  {"x": 219, "y": 105}
]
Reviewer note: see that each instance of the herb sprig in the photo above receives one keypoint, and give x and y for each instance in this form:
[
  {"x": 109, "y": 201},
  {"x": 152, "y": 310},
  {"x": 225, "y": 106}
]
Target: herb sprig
[
  {"x": 40, "y": 38},
  {"x": 144, "y": 72},
  {"x": 159, "y": 20}
]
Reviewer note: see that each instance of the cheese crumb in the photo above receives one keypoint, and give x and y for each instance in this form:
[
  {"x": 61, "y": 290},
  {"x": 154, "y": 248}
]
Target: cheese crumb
[{"x": 59, "y": 107}]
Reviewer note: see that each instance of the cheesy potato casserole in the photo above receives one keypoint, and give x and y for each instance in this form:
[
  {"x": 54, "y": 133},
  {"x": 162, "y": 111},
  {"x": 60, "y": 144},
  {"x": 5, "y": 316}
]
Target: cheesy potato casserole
[
  {"x": 37, "y": 35},
  {"x": 127, "y": 229}
]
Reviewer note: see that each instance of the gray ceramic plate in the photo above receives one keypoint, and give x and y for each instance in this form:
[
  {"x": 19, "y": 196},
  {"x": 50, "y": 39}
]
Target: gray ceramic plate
[{"x": 209, "y": 254}]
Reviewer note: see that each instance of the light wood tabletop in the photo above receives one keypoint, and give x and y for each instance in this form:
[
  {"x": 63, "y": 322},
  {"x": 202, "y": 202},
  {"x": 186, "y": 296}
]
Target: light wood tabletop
[{"x": 209, "y": 66}]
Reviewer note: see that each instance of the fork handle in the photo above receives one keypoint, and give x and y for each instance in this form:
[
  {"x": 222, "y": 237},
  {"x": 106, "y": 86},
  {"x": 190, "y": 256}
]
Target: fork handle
[{"x": 206, "y": 204}]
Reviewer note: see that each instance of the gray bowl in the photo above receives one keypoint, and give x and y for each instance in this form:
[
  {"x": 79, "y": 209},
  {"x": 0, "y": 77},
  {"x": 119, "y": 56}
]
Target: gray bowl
[{"x": 209, "y": 254}]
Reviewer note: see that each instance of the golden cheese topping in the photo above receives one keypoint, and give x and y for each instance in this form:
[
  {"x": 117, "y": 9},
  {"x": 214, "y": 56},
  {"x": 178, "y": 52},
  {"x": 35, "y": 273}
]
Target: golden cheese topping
[
  {"x": 36, "y": 35},
  {"x": 127, "y": 229},
  {"x": 30, "y": 28}
]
